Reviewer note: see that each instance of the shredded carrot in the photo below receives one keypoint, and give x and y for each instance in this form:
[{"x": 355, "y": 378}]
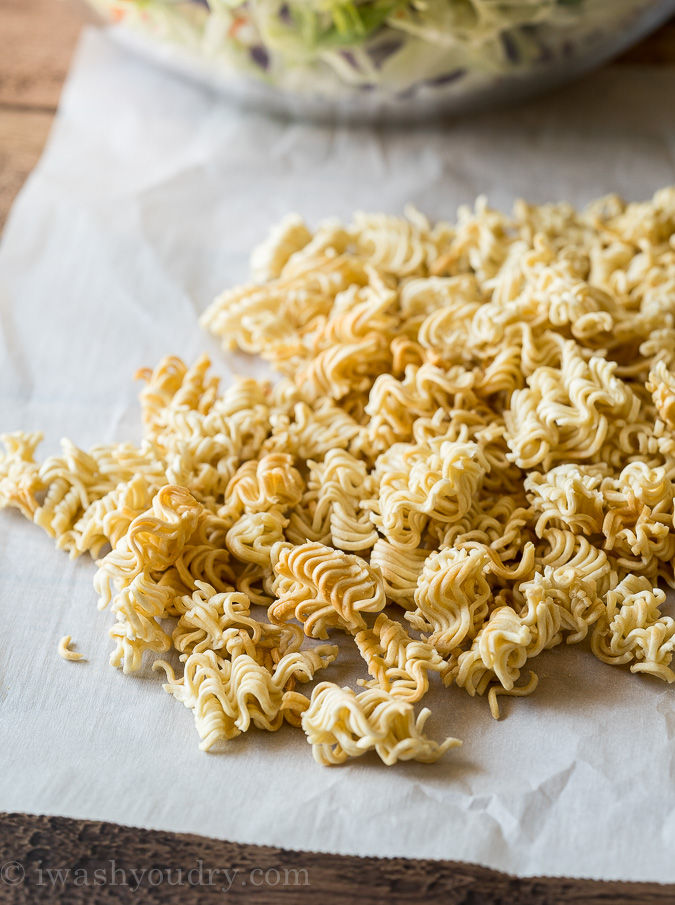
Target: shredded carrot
[{"x": 236, "y": 25}]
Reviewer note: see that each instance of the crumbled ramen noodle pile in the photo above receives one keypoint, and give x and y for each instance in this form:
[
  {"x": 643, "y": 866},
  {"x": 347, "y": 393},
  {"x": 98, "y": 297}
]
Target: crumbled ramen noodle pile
[{"x": 468, "y": 460}]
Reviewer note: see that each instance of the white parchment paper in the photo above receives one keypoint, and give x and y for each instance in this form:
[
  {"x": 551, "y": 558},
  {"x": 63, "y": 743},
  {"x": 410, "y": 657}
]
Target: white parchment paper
[{"x": 146, "y": 203}]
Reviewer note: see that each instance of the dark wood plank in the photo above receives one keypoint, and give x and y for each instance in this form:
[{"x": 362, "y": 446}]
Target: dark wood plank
[
  {"x": 31, "y": 847},
  {"x": 656, "y": 50}
]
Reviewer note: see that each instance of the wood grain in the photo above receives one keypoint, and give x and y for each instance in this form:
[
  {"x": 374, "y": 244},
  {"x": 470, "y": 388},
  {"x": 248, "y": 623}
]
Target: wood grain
[
  {"x": 38, "y": 37},
  {"x": 656, "y": 50},
  {"x": 149, "y": 863}
]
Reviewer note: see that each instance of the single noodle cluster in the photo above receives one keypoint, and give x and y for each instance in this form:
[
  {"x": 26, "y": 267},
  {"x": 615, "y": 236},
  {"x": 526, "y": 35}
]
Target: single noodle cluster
[{"x": 469, "y": 458}]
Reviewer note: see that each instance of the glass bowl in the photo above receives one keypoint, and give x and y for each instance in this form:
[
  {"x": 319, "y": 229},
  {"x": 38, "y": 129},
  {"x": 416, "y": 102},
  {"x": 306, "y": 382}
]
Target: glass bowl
[{"x": 375, "y": 60}]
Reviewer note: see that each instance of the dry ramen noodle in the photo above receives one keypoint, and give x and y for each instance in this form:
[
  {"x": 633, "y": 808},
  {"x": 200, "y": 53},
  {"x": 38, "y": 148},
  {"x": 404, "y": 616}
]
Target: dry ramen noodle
[
  {"x": 65, "y": 652},
  {"x": 468, "y": 459}
]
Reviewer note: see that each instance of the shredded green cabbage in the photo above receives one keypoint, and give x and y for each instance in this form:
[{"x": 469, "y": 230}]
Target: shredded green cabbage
[{"x": 393, "y": 45}]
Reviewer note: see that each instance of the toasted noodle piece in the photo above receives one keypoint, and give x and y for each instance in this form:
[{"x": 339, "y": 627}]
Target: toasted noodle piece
[
  {"x": 137, "y": 607},
  {"x": 519, "y": 691},
  {"x": 210, "y": 620},
  {"x": 394, "y": 406},
  {"x": 310, "y": 431},
  {"x": 568, "y": 414},
  {"x": 310, "y": 519},
  {"x": 639, "y": 517},
  {"x": 453, "y": 592},
  {"x": 75, "y": 480},
  {"x": 273, "y": 318},
  {"x": 340, "y": 724},
  {"x": 575, "y": 596},
  {"x": 227, "y": 696},
  {"x": 345, "y": 482},
  {"x": 323, "y": 588},
  {"x": 65, "y": 652},
  {"x": 578, "y": 558},
  {"x": 223, "y": 623},
  {"x": 163, "y": 384},
  {"x": 506, "y": 641},
  {"x": 107, "y": 520},
  {"x": 633, "y": 630},
  {"x": 400, "y": 568},
  {"x": 270, "y": 257},
  {"x": 474, "y": 426},
  {"x": 252, "y": 537},
  {"x": 398, "y": 663},
  {"x": 419, "y": 484},
  {"x": 19, "y": 472},
  {"x": 264, "y": 484},
  {"x": 568, "y": 496},
  {"x": 204, "y": 563},
  {"x": 661, "y": 385},
  {"x": 72, "y": 485},
  {"x": 154, "y": 540}
]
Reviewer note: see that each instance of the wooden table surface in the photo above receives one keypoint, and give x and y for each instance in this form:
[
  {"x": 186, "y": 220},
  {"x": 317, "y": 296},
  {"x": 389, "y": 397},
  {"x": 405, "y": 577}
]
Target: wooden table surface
[{"x": 37, "y": 38}]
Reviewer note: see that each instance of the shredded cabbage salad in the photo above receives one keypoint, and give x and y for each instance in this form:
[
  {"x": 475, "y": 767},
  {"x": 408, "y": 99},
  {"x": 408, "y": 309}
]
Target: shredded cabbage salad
[{"x": 394, "y": 45}]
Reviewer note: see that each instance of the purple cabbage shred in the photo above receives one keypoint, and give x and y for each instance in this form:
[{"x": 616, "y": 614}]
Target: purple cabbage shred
[
  {"x": 260, "y": 56},
  {"x": 448, "y": 78}
]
